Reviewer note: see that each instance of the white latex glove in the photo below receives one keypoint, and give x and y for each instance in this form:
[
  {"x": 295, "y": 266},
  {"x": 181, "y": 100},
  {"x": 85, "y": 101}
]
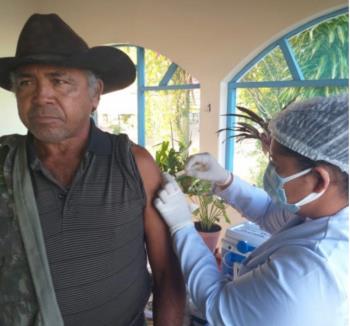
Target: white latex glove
[
  {"x": 204, "y": 166},
  {"x": 173, "y": 206}
]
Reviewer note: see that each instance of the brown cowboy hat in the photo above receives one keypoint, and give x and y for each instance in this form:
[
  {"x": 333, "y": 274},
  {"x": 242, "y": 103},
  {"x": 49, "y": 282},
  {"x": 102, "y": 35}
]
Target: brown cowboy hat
[{"x": 47, "y": 39}]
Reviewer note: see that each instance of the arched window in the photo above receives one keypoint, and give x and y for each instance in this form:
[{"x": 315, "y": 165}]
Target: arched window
[
  {"x": 308, "y": 61},
  {"x": 162, "y": 103}
]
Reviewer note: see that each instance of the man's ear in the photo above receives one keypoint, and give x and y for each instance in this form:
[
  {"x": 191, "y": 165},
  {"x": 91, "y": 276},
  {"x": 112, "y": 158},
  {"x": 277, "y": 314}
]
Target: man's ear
[
  {"x": 98, "y": 92},
  {"x": 323, "y": 178}
]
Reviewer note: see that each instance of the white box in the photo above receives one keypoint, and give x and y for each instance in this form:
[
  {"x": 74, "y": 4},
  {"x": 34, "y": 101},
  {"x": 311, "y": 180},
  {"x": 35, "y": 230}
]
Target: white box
[{"x": 239, "y": 241}]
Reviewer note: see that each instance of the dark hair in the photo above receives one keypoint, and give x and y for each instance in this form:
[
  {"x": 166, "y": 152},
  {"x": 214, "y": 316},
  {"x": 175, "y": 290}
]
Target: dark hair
[{"x": 337, "y": 176}]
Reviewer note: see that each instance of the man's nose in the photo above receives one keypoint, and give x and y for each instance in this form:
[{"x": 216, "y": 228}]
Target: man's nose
[{"x": 43, "y": 92}]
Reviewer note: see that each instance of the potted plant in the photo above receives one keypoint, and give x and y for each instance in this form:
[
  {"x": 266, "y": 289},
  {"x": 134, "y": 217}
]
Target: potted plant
[{"x": 208, "y": 209}]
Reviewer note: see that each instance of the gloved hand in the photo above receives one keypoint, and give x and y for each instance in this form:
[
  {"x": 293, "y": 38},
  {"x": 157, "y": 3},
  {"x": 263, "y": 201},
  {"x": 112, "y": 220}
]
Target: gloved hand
[
  {"x": 173, "y": 206},
  {"x": 204, "y": 166}
]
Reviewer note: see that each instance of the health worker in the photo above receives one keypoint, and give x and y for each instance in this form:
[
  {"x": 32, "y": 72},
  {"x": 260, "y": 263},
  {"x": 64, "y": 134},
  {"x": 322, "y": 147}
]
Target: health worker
[{"x": 299, "y": 276}]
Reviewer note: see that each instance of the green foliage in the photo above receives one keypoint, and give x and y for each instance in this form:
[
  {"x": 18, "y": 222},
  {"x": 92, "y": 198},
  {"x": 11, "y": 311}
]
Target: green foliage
[
  {"x": 210, "y": 207},
  {"x": 210, "y": 211},
  {"x": 322, "y": 52},
  {"x": 168, "y": 112},
  {"x": 170, "y": 160},
  {"x": 125, "y": 120}
]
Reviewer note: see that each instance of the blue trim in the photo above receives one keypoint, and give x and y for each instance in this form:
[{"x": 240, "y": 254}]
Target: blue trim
[
  {"x": 168, "y": 75},
  {"x": 170, "y": 87},
  {"x": 294, "y": 68},
  {"x": 253, "y": 62},
  {"x": 141, "y": 88},
  {"x": 292, "y": 63},
  {"x": 292, "y": 83},
  {"x": 230, "y": 121},
  {"x": 299, "y": 29},
  {"x": 140, "y": 96}
]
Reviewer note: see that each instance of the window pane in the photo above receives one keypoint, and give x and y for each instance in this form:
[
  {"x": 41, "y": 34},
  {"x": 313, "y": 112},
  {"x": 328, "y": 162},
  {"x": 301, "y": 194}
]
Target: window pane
[
  {"x": 272, "y": 67},
  {"x": 117, "y": 112},
  {"x": 172, "y": 115},
  {"x": 156, "y": 65},
  {"x": 169, "y": 115},
  {"x": 182, "y": 77},
  {"x": 322, "y": 51},
  {"x": 249, "y": 159}
]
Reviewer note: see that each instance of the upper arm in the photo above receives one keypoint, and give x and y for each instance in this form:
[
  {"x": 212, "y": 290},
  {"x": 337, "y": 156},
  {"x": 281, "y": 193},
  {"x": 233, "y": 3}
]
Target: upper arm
[{"x": 157, "y": 236}]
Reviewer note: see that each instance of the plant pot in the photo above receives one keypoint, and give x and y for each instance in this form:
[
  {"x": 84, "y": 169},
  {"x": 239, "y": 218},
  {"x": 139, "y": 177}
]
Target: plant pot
[{"x": 210, "y": 237}]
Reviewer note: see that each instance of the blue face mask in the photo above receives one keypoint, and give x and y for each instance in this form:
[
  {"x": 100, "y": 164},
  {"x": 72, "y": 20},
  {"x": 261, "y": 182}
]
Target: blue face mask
[{"x": 273, "y": 185}]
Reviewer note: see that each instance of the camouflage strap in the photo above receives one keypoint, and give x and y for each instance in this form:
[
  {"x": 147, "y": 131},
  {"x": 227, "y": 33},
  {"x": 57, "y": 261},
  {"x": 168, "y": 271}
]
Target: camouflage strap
[
  {"x": 29, "y": 224},
  {"x": 18, "y": 303},
  {"x": 3, "y": 154}
]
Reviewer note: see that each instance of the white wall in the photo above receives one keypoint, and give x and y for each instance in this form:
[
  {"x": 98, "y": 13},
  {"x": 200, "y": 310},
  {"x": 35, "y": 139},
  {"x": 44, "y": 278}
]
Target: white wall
[
  {"x": 13, "y": 14},
  {"x": 210, "y": 39}
]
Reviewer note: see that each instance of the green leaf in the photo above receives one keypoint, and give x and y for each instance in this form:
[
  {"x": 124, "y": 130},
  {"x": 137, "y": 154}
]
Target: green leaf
[{"x": 341, "y": 35}]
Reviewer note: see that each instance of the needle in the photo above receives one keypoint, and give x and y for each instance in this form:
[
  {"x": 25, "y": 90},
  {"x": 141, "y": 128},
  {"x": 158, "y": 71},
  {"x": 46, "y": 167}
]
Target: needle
[{"x": 180, "y": 173}]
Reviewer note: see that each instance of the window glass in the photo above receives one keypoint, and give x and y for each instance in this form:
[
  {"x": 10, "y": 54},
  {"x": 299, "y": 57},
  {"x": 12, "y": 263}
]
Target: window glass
[
  {"x": 249, "y": 159},
  {"x": 322, "y": 51},
  {"x": 173, "y": 116},
  {"x": 169, "y": 114},
  {"x": 182, "y": 77},
  {"x": 117, "y": 112},
  {"x": 270, "y": 68},
  {"x": 156, "y": 65}
]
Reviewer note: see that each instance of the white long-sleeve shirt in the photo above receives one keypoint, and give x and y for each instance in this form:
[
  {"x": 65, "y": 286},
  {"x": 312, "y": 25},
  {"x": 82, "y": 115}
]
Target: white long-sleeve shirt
[{"x": 297, "y": 277}]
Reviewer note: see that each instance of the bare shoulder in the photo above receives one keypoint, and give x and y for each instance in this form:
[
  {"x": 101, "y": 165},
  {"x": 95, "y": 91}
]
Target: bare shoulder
[{"x": 150, "y": 172}]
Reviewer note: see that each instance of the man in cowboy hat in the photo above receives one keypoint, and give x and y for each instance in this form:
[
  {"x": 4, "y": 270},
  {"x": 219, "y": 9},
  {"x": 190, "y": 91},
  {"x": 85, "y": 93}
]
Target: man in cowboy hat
[{"x": 75, "y": 202}]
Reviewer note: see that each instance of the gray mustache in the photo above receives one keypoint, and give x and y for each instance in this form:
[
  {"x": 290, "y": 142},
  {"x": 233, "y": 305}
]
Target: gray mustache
[{"x": 44, "y": 112}]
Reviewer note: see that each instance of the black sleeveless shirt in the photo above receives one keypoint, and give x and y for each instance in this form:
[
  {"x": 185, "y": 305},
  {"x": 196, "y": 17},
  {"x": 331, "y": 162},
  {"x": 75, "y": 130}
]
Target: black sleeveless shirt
[{"x": 94, "y": 234}]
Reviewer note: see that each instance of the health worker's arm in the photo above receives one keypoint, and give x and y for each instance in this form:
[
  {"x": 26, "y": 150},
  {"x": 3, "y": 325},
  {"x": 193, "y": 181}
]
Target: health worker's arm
[
  {"x": 168, "y": 289},
  {"x": 271, "y": 289},
  {"x": 277, "y": 292},
  {"x": 254, "y": 204}
]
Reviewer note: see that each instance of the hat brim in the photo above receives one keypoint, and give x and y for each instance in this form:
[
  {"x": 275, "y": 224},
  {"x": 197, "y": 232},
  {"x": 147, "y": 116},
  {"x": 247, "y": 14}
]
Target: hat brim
[{"x": 113, "y": 66}]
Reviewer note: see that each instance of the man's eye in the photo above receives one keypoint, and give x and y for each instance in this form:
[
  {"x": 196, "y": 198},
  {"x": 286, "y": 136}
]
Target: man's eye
[
  {"x": 57, "y": 81},
  {"x": 24, "y": 82}
]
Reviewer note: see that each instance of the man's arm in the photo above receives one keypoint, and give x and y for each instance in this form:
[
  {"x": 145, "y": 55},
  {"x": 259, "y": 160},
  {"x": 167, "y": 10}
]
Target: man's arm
[{"x": 169, "y": 289}]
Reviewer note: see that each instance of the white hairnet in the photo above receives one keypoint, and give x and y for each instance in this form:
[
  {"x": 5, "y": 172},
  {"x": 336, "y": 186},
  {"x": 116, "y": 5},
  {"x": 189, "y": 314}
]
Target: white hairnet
[{"x": 317, "y": 129}]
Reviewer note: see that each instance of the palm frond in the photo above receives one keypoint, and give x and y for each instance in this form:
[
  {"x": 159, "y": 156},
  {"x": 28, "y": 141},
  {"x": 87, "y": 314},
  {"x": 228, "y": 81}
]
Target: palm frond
[{"x": 253, "y": 126}]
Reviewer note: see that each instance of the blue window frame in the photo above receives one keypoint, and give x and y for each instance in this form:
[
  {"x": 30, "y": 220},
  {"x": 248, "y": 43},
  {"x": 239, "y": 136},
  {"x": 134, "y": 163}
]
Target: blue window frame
[
  {"x": 148, "y": 93},
  {"x": 293, "y": 76}
]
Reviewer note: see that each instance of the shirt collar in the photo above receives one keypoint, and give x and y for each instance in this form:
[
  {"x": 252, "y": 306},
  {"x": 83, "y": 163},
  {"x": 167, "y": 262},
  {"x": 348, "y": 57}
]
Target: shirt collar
[{"x": 99, "y": 143}]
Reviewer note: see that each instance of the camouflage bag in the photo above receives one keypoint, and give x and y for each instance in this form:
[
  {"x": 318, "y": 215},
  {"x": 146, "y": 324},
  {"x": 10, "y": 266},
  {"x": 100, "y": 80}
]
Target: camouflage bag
[{"x": 27, "y": 296}]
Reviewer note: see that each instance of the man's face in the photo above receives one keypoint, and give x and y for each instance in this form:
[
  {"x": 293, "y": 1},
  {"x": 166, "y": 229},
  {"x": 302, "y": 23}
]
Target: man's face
[{"x": 54, "y": 103}]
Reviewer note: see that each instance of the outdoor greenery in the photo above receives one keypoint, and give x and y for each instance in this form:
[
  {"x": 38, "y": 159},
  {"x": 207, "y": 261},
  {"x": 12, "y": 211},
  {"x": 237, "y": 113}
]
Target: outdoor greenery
[
  {"x": 209, "y": 207},
  {"x": 170, "y": 160},
  {"x": 169, "y": 113},
  {"x": 321, "y": 52}
]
